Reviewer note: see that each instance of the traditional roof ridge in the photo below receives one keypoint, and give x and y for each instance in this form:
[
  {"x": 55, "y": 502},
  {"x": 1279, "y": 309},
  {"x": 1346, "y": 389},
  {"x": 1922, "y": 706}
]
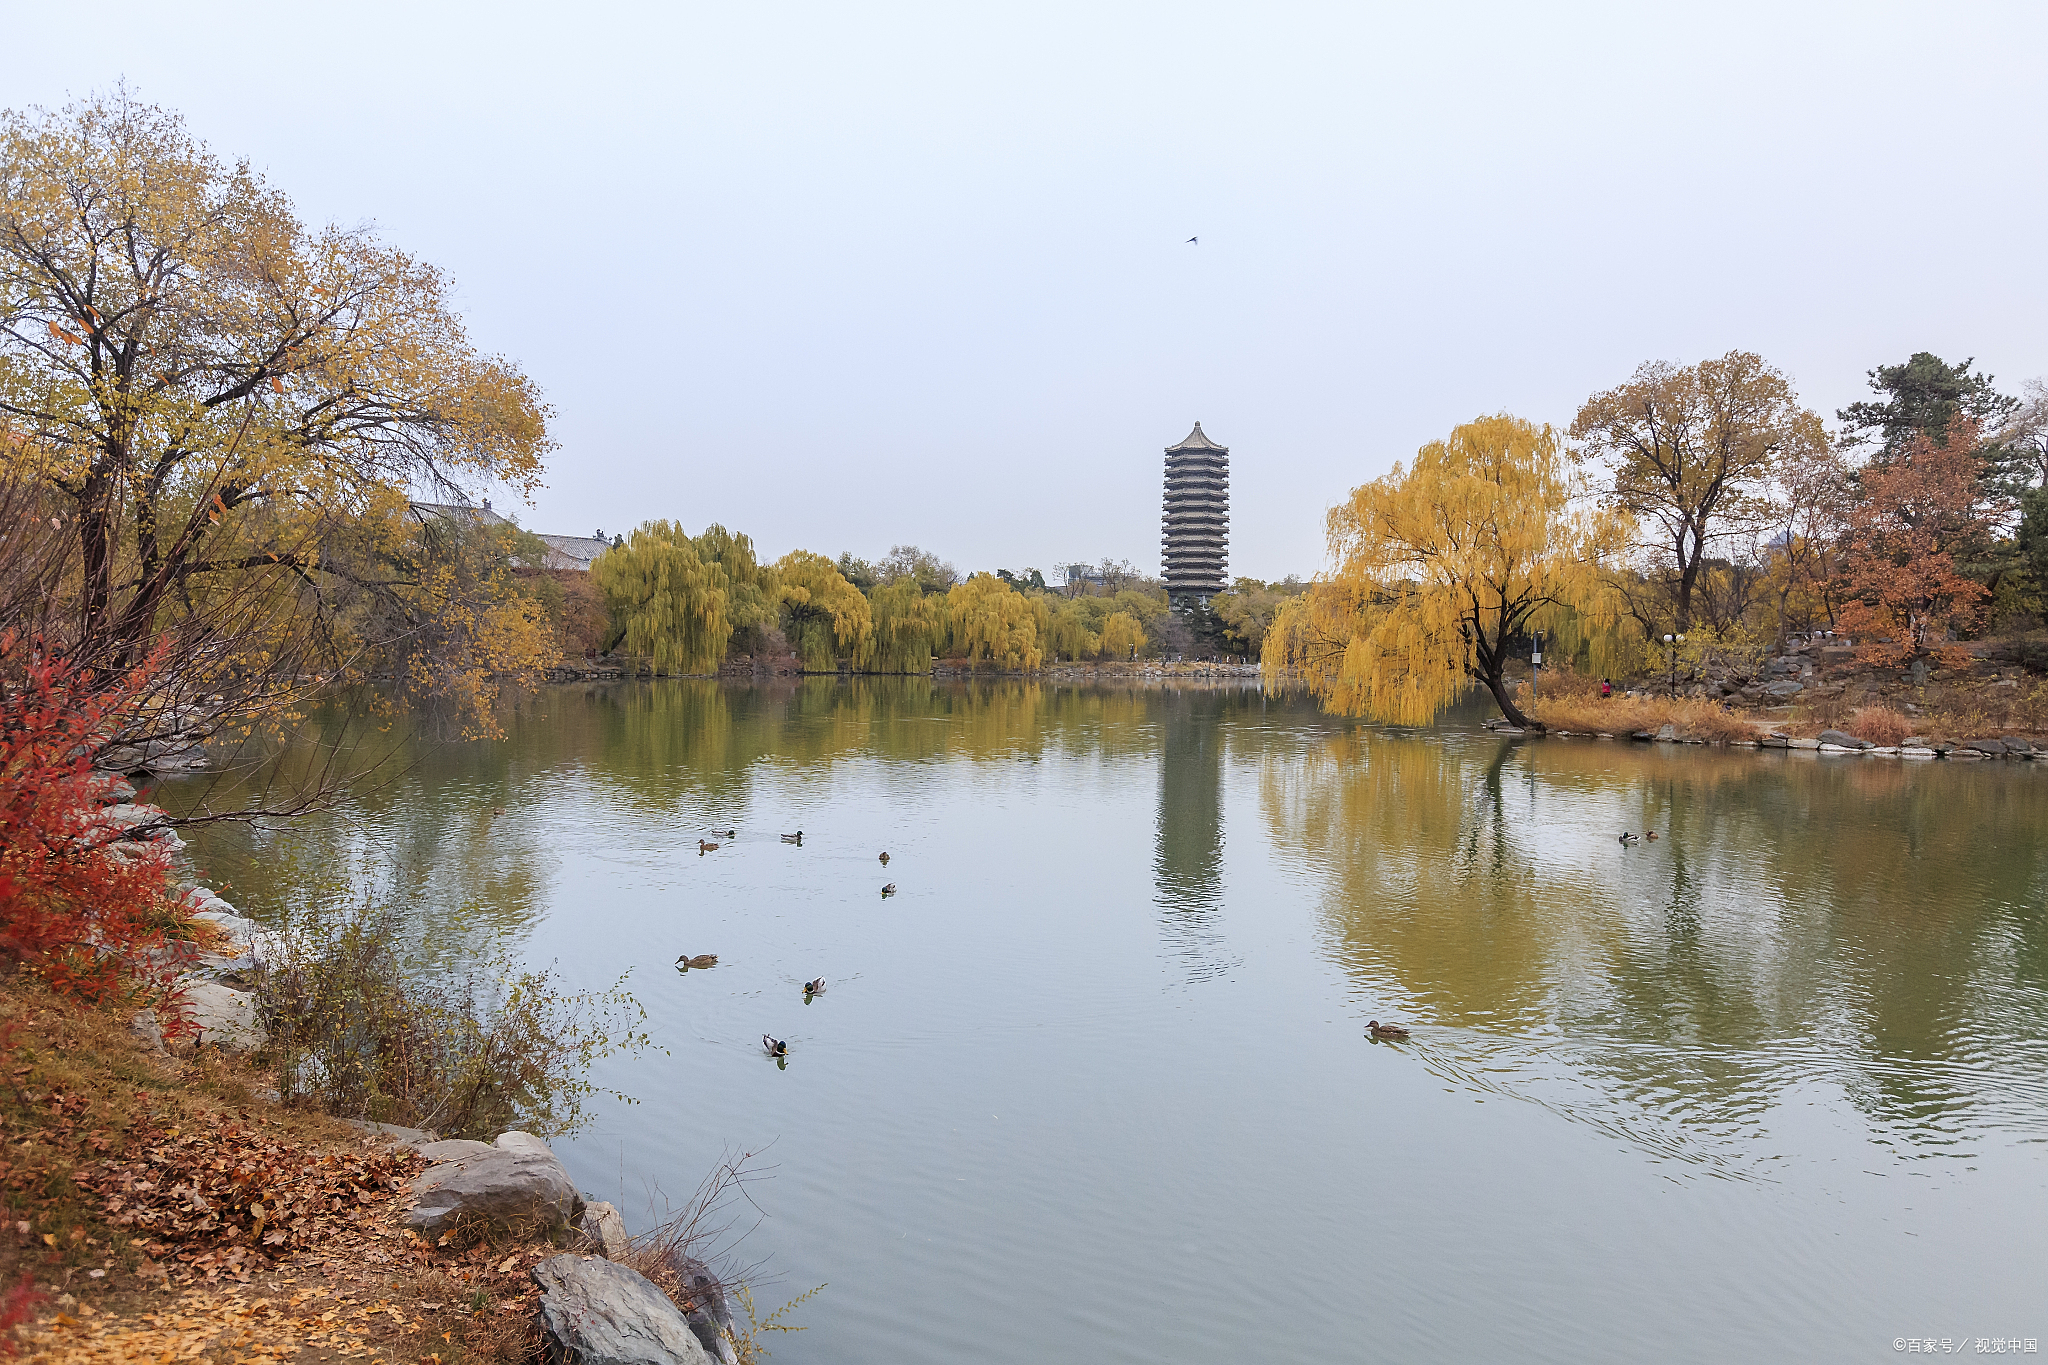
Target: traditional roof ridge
[{"x": 1197, "y": 440}]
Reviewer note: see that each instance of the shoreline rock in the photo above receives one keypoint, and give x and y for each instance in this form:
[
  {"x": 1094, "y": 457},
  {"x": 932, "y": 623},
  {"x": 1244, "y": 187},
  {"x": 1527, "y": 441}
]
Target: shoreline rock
[
  {"x": 595, "y": 1311},
  {"x": 518, "y": 1185}
]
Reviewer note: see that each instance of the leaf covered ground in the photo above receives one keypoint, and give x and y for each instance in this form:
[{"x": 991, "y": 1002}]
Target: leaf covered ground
[{"x": 164, "y": 1210}]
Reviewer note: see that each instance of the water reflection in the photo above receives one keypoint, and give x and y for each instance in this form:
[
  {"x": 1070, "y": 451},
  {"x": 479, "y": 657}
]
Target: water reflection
[
  {"x": 1801, "y": 927},
  {"x": 1187, "y": 857}
]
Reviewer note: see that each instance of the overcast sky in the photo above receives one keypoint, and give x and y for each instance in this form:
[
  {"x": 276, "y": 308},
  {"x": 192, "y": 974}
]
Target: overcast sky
[{"x": 842, "y": 276}]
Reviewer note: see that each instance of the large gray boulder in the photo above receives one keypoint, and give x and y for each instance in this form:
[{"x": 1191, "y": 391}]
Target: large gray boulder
[
  {"x": 598, "y": 1312},
  {"x": 1784, "y": 687},
  {"x": 1844, "y": 740},
  {"x": 224, "y": 1016},
  {"x": 517, "y": 1187}
]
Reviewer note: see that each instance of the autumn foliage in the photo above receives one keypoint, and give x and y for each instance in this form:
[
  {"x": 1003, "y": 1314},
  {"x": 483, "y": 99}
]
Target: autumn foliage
[
  {"x": 85, "y": 908},
  {"x": 1918, "y": 513}
]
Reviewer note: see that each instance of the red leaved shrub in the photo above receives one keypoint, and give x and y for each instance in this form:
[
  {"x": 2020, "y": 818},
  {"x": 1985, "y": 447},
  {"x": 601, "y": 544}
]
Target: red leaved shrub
[{"x": 91, "y": 911}]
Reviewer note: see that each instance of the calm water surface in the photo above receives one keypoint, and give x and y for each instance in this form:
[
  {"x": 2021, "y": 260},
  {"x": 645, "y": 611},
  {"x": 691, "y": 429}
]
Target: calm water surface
[{"x": 1095, "y": 1084}]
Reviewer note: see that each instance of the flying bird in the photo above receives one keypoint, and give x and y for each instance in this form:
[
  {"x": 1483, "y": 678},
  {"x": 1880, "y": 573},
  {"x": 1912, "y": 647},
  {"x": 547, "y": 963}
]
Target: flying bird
[{"x": 1195, "y": 240}]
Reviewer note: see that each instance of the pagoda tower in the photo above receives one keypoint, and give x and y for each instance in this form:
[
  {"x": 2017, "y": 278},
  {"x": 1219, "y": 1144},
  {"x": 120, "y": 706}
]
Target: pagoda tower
[{"x": 1196, "y": 524}]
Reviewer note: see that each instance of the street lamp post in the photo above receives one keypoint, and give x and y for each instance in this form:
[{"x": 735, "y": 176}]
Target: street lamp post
[
  {"x": 1535, "y": 663},
  {"x": 1671, "y": 644}
]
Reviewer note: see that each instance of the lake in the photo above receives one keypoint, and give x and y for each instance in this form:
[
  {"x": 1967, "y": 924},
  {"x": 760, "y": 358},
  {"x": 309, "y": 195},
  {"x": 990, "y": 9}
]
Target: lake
[{"x": 1095, "y": 1083}]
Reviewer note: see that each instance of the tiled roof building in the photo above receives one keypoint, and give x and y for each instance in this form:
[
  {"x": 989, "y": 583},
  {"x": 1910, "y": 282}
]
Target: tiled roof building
[{"x": 1196, "y": 524}]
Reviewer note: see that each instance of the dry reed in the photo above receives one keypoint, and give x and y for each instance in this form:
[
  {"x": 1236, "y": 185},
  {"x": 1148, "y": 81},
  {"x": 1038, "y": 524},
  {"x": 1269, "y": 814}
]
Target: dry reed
[{"x": 1692, "y": 718}]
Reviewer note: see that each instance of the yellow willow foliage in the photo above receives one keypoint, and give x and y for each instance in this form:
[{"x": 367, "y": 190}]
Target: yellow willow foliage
[
  {"x": 1121, "y": 634},
  {"x": 823, "y": 615},
  {"x": 991, "y": 620},
  {"x": 909, "y": 625},
  {"x": 754, "y": 593},
  {"x": 669, "y": 600},
  {"x": 1067, "y": 634},
  {"x": 1442, "y": 566}
]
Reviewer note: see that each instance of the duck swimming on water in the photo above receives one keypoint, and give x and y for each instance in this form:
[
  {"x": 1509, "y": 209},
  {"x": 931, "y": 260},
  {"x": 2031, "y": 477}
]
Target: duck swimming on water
[
  {"x": 726, "y": 833},
  {"x": 889, "y": 890},
  {"x": 704, "y": 848},
  {"x": 1627, "y": 838},
  {"x": 700, "y": 961},
  {"x": 795, "y": 838},
  {"x": 775, "y": 1046},
  {"x": 815, "y": 987},
  {"x": 885, "y": 860},
  {"x": 1379, "y": 1030}
]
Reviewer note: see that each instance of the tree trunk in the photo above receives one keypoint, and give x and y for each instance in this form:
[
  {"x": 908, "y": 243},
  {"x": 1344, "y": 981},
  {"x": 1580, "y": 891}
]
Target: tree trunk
[{"x": 1494, "y": 684}]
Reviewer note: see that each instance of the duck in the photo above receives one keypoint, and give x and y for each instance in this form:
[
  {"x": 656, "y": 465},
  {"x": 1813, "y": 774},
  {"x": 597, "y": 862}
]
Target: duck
[
  {"x": 1651, "y": 835},
  {"x": 1627, "y": 838},
  {"x": 704, "y": 847},
  {"x": 775, "y": 1046},
  {"x": 726, "y": 833},
  {"x": 795, "y": 838},
  {"x": 1379, "y": 1030},
  {"x": 700, "y": 961},
  {"x": 815, "y": 987},
  {"x": 885, "y": 859},
  {"x": 889, "y": 890}
]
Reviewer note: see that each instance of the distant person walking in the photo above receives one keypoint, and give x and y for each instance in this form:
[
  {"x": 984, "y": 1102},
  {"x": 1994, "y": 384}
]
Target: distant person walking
[{"x": 1606, "y": 689}]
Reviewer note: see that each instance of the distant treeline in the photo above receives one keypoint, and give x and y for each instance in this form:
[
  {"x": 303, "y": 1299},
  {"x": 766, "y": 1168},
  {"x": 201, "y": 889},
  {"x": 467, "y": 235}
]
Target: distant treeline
[{"x": 688, "y": 603}]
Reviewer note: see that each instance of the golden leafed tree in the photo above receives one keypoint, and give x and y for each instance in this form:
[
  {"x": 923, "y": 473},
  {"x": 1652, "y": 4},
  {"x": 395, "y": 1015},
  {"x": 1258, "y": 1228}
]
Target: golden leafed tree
[
  {"x": 230, "y": 410},
  {"x": 1689, "y": 451},
  {"x": 669, "y": 601},
  {"x": 1122, "y": 636},
  {"x": 824, "y": 615},
  {"x": 991, "y": 620},
  {"x": 1442, "y": 568},
  {"x": 909, "y": 624}
]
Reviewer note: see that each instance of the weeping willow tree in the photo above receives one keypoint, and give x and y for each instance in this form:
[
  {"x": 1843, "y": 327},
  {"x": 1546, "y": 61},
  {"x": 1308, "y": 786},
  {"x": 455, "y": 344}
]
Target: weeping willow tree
[
  {"x": 753, "y": 589},
  {"x": 992, "y": 620},
  {"x": 823, "y": 614},
  {"x": 669, "y": 602},
  {"x": 1442, "y": 568},
  {"x": 1122, "y": 636},
  {"x": 909, "y": 624},
  {"x": 1067, "y": 634}
]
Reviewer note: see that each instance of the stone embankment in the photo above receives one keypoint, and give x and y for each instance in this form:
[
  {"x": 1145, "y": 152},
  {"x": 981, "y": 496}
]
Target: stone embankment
[
  {"x": 1827, "y": 742},
  {"x": 217, "y": 1003},
  {"x": 1826, "y": 671}
]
